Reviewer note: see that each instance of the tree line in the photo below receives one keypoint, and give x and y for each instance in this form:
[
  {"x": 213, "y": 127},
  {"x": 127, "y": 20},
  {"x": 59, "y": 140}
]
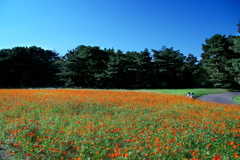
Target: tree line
[{"x": 93, "y": 67}]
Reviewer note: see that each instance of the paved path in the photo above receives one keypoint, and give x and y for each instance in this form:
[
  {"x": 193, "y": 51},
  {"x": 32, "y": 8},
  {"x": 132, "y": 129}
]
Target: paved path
[{"x": 225, "y": 98}]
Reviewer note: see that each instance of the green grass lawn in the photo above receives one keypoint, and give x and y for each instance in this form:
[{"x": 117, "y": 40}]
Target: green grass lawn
[
  {"x": 197, "y": 91},
  {"x": 236, "y": 99}
]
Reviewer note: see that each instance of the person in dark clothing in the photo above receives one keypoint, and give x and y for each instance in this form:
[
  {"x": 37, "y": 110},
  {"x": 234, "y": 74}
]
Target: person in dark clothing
[{"x": 193, "y": 96}]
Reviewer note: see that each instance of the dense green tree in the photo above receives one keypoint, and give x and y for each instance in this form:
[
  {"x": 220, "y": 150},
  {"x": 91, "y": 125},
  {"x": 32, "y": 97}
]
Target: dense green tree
[
  {"x": 233, "y": 69},
  {"x": 6, "y": 76},
  {"x": 84, "y": 66},
  {"x": 87, "y": 66},
  {"x": 190, "y": 71},
  {"x": 46, "y": 66},
  {"x": 236, "y": 44},
  {"x": 115, "y": 69},
  {"x": 167, "y": 65},
  {"x": 130, "y": 70},
  {"x": 27, "y": 67},
  {"x": 144, "y": 70},
  {"x": 92, "y": 67},
  {"x": 216, "y": 58},
  {"x": 137, "y": 69},
  {"x": 234, "y": 63}
]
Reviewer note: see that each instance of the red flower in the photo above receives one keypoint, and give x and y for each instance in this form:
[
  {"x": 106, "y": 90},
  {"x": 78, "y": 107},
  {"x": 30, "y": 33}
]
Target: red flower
[
  {"x": 217, "y": 157},
  {"x": 125, "y": 155}
]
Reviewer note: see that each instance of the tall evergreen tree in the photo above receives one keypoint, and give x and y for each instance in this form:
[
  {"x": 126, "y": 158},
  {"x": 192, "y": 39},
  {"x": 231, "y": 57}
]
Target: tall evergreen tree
[
  {"x": 27, "y": 67},
  {"x": 190, "y": 71},
  {"x": 216, "y": 58},
  {"x": 168, "y": 64},
  {"x": 85, "y": 66},
  {"x": 115, "y": 69},
  {"x": 144, "y": 69},
  {"x": 6, "y": 76},
  {"x": 234, "y": 64}
]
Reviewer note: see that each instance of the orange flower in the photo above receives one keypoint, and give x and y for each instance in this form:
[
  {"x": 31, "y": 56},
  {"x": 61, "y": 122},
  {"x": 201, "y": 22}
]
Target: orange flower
[
  {"x": 194, "y": 154},
  {"x": 139, "y": 121},
  {"x": 12, "y": 153},
  {"x": 153, "y": 153},
  {"x": 56, "y": 150},
  {"x": 231, "y": 143},
  {"x": 236, "y": 155},
  {"x": 125, "y": 155}
]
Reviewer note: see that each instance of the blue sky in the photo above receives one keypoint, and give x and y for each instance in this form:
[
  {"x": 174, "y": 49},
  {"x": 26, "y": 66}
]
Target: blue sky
[{"x": 128, "y": 25}]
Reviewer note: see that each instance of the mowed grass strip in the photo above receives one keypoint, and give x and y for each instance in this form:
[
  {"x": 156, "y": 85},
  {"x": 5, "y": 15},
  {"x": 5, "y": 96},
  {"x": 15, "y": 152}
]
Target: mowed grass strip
[
  {"x": 197, "y": 91},
  {"x": 236, "y": 99}
]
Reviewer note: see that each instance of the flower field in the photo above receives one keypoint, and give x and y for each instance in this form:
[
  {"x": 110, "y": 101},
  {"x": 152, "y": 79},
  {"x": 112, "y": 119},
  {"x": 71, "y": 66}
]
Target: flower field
[{"x": 102, "y": 124}]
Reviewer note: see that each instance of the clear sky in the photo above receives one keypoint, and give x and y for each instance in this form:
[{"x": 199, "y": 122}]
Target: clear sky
[{"x": 128, "y": 25}]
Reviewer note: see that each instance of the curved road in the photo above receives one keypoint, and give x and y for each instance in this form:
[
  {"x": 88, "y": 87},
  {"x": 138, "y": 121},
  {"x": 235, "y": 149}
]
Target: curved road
[{"x": 224, "y": 98}]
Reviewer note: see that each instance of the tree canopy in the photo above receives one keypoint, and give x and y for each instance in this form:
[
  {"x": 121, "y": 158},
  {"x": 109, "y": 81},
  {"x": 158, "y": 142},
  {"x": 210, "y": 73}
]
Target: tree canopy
[
  {"x": 93, "y": 67},
  {"x": 220, "y": 60},
  {"x": 28, "y": 67}
]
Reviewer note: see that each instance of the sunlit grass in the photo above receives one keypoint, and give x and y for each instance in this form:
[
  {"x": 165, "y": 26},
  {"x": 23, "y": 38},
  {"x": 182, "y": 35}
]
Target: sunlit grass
[
  {"x": 197, "y": 91},
  {"x": 98, "y": 124},
  {"x": 236, "y": 99}
]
